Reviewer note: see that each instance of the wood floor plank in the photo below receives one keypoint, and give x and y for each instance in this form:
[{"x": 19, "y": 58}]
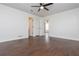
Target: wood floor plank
[{"x": 38, "y": 46}]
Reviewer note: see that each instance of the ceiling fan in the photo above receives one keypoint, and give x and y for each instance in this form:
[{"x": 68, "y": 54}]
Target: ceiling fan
[{"x": 43, "y": 6}]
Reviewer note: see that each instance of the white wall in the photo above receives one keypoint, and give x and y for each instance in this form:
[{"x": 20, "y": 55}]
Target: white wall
[
  {"x": 37, "y": 25},
  {"x": 14, "y": 23},
  {"x": 41, "y": 27},
  {"x": 65, "y": 24}
]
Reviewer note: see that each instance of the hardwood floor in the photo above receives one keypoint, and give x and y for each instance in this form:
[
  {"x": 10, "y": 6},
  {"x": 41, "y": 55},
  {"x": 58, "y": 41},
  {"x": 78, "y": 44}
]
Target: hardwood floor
[{"x": 38, "y": 46}]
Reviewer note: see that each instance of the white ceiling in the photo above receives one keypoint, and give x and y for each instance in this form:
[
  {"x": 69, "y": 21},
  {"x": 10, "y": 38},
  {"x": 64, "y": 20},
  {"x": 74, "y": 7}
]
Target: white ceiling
[{"x": 55, "y": 8}]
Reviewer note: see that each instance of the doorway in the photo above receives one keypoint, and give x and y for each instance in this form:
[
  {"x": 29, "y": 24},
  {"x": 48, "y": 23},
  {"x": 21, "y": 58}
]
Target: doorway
[
  {"x": 46, "y": 30},
  {"x": 30, "y": 30}
]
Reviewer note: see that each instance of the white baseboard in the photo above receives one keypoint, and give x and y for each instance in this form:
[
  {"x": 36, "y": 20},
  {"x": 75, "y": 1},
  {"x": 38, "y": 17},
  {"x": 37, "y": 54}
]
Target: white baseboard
[
  {"x": 18, "y": 38},
  {"x": 68, "y": 38}
]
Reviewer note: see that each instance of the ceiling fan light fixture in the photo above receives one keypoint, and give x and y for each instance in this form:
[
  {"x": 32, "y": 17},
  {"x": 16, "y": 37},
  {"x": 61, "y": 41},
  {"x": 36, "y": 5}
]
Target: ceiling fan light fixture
[{"x": 41, "y": 7}]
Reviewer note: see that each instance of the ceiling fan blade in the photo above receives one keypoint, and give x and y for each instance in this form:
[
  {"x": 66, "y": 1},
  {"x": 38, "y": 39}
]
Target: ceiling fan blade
[
  {"x": 48, "y": 4},
  {"x": 35, "y": 6},
  {"x": 41, "y": 4},
  {"x": 38, "y": 9},
  {"x": 46, "y": 9}
]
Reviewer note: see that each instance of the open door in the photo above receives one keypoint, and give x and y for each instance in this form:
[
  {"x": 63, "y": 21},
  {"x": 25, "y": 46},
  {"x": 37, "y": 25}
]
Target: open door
[{"x": 30, "y": 30}]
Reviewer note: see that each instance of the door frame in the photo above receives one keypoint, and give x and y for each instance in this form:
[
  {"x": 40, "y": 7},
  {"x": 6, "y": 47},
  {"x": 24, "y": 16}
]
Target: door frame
[{"x": 30, "y": 18}]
